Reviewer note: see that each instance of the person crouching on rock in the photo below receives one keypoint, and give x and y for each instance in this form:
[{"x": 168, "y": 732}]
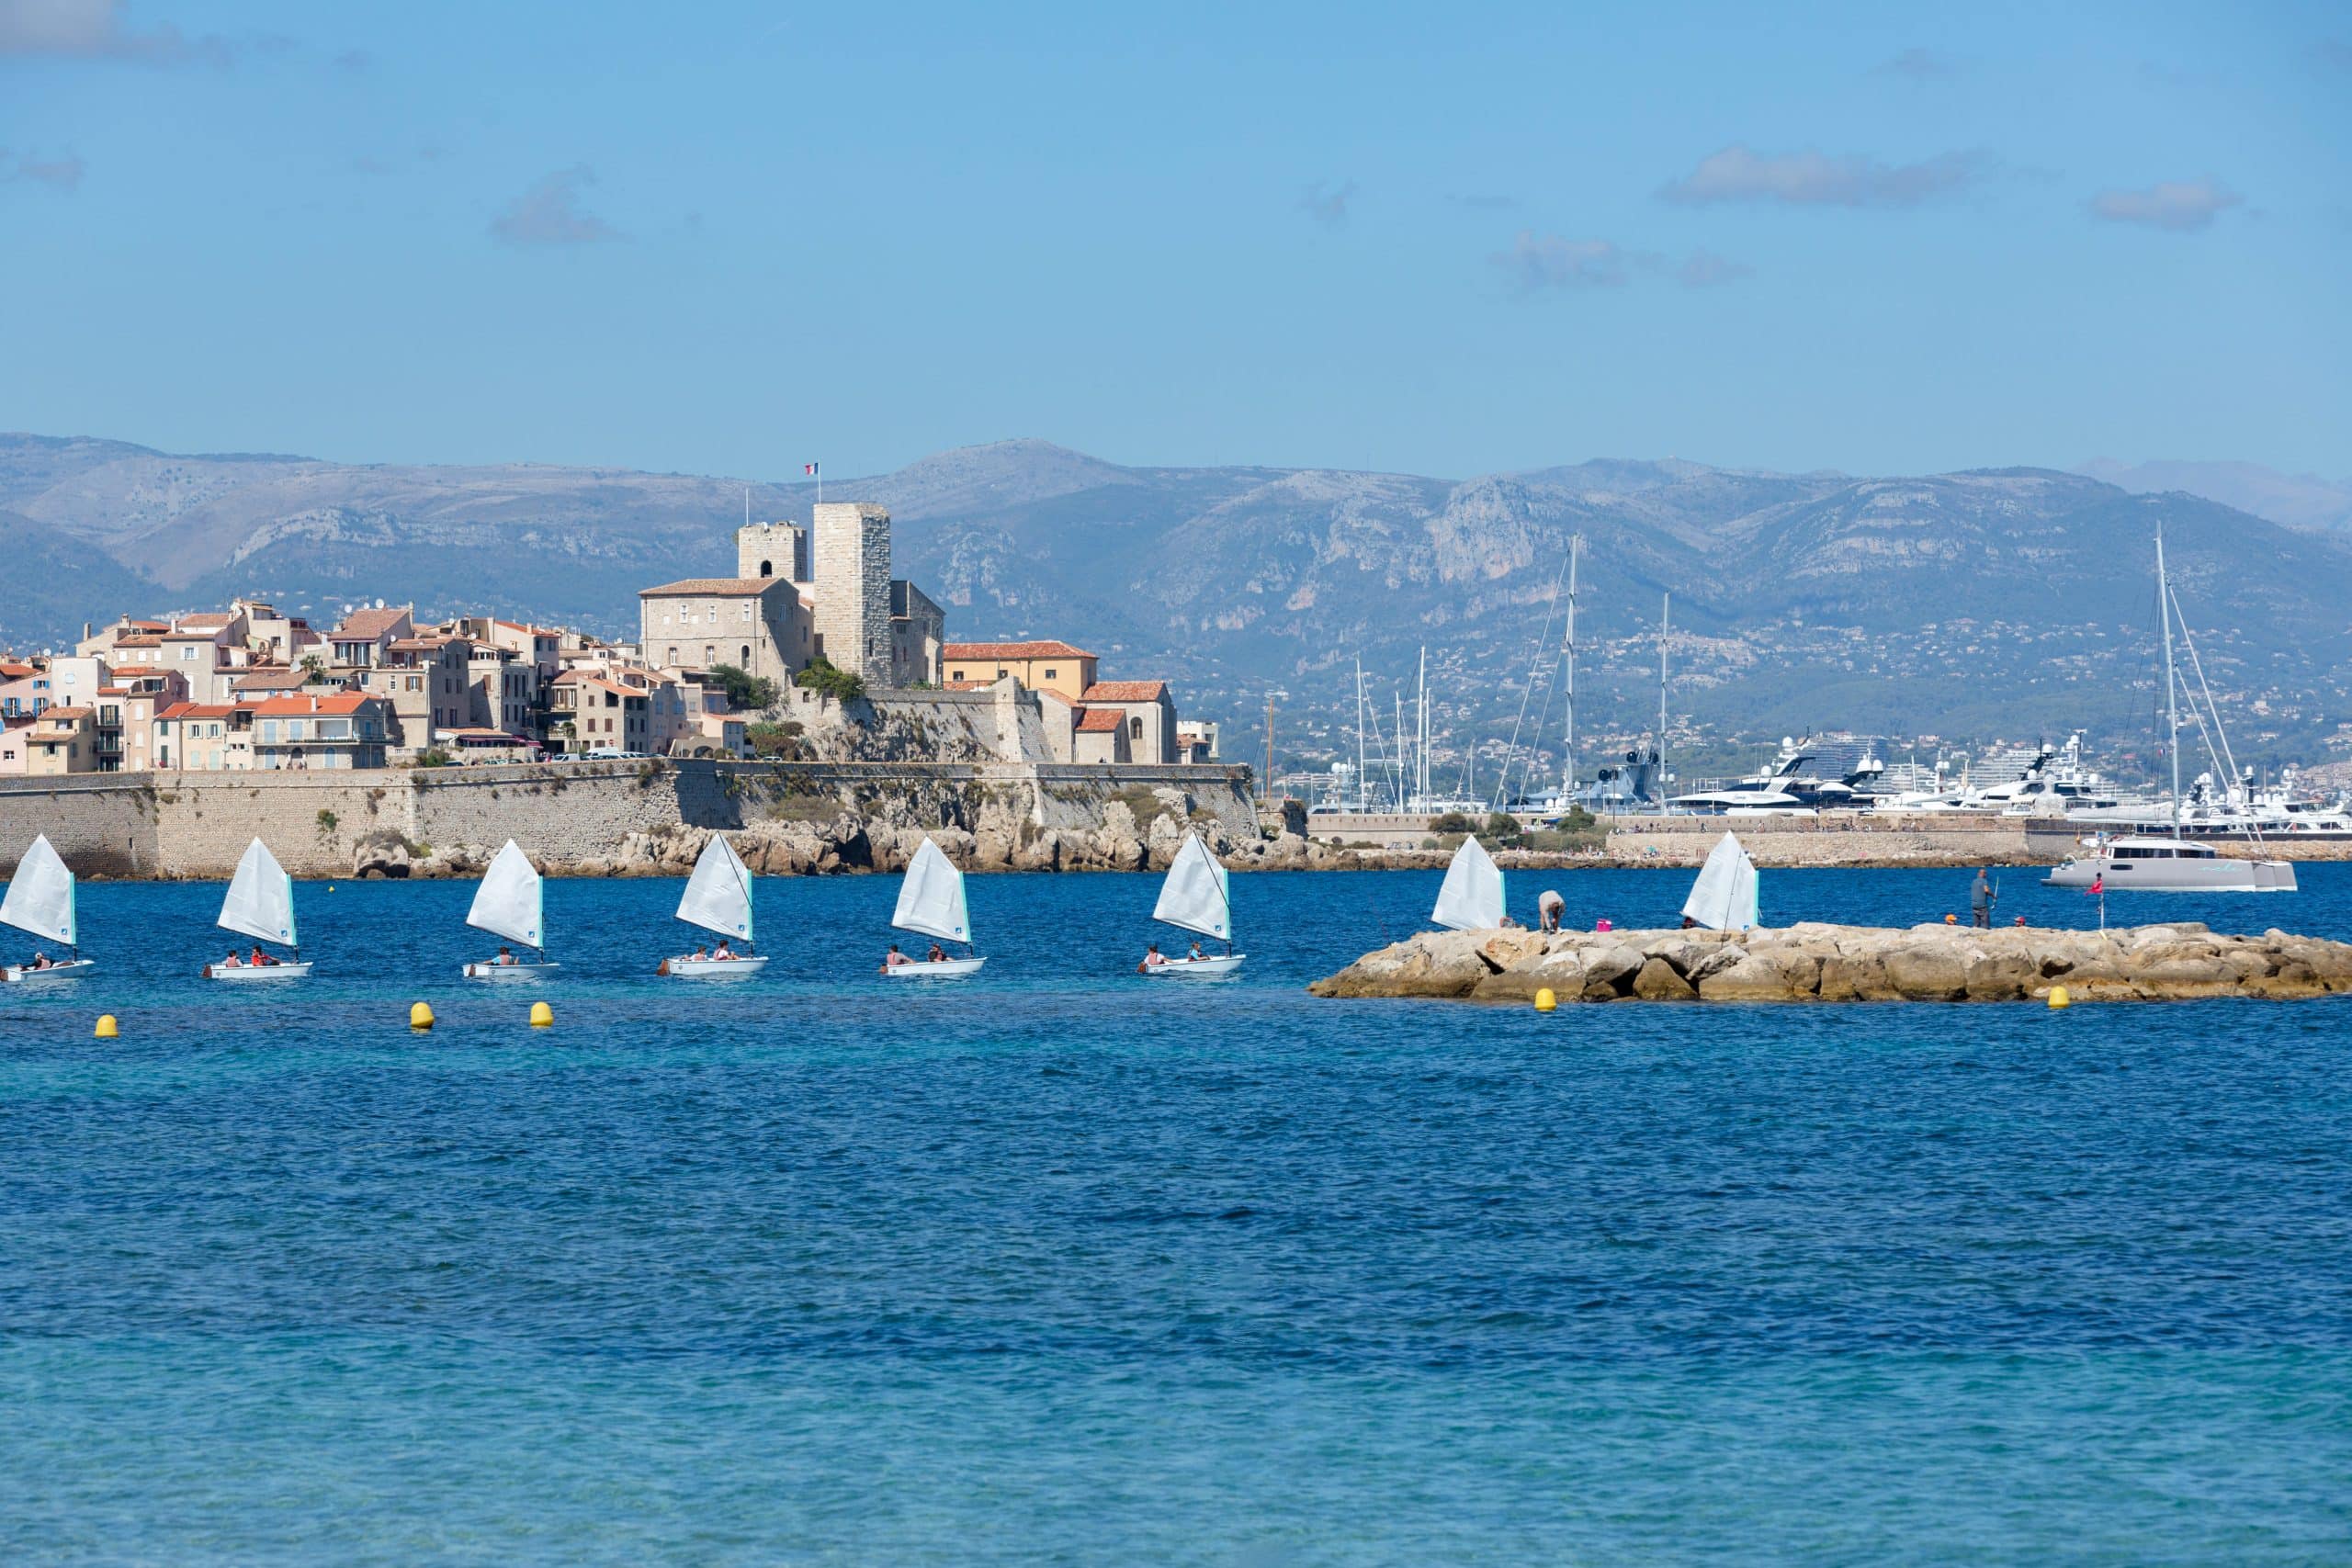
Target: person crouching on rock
[{"x": 1549, "y": 907}]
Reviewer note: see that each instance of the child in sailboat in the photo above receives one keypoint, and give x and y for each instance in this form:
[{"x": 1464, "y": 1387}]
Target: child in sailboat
[
  {"x": 938, "y": 955},
  {"x": 894, "y": 958},
  {"x": 1152, "y": 958},
  {"x": 1196, "y": 954},
  {"x": 722, "y": 953}
]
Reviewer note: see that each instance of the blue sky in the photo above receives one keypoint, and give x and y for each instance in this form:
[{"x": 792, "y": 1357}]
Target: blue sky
[{"x": 732, "y": 238}]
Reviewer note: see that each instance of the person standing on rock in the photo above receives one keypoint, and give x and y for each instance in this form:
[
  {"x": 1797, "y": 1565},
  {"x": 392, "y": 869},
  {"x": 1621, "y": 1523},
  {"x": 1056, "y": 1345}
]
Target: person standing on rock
[
  {"x": 1551, "y": 906},
  {"x": 1980, "y": 899}
]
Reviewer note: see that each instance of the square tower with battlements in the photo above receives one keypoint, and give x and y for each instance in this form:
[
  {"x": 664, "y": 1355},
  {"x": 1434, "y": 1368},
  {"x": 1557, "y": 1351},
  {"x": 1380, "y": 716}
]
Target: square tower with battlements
[
  {"x": 850, "y": 576},
  {"x": 772, "y": 549}
]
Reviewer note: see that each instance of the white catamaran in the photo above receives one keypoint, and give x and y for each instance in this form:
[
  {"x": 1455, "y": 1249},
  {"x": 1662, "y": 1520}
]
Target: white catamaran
[
  {"x": 717, "y": 898},
  {"x": 512, "y": 903},
  {"x": 40, "y": 900},
  {"x": 1196, "y": 897},
  {"x": 1471, "y": 898},
  {"x": 1723, "y": 898},
  {"x": 260, "y": 904},
  {"x": 930, "y": 900}
]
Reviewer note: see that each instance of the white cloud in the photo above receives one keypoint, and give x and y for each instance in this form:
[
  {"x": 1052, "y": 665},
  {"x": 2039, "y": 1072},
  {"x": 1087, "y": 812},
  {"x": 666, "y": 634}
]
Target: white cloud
[
  {"x": 1328, "y": 203},
  {"x": 1810, "y": 178},
  {"x": 550, "y": 213},
  {"x": 63, "y": 173},
  {"x": 2180, "y": 206},
  {"x": 98, "y": 29},
  {"x": 1536, "y": 263}
]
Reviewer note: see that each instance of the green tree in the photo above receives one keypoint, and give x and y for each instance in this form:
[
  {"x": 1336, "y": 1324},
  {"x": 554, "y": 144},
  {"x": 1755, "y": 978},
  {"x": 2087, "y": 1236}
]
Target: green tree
[
  {"x": 822, "y": 676},
  {"x": 746, "y": 693},
  {"x": 1503, "y": 827},
  {"x": 1452, "y": 822}
]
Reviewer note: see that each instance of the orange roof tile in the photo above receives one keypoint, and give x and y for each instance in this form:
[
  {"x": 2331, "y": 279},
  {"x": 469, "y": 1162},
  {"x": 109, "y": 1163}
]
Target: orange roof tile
[
  {"x": 302, "y": 707},
  {"x": 1125, "y": 692},
  {"x": 1013, "y": 651},
  {"x": 1097, "y": 721},
  {"x": 198, "y": 710},
  {"x": 367, "y": 626},
  {"x": 718, "y": 586}
]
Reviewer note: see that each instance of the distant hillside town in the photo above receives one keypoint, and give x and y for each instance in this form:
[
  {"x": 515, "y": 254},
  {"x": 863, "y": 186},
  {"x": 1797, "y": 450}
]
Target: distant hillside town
[{"x": 809, "y": 636}]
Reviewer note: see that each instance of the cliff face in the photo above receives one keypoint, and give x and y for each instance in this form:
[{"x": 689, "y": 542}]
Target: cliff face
[{"x": 1810, "y": 962}]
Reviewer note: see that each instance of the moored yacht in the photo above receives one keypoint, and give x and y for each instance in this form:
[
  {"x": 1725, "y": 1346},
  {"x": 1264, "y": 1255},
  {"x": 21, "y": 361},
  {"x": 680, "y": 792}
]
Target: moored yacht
[{"x": 2168, "y": 866}]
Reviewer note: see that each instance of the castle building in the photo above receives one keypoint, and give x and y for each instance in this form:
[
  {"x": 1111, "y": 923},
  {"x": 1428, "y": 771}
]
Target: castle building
[{"x": 799, "y": 594}]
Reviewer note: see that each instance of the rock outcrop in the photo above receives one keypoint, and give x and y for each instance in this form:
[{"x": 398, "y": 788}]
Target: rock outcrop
[{"x": 1811, "y": 962}]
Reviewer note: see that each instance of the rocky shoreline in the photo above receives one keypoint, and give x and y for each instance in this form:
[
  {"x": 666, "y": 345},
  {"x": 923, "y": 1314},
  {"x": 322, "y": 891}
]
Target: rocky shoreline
[{"x": 1814, "y": 961}]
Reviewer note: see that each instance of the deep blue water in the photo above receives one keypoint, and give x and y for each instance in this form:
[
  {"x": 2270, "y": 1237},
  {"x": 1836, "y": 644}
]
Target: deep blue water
[{"x": 1063, "y": 1265}]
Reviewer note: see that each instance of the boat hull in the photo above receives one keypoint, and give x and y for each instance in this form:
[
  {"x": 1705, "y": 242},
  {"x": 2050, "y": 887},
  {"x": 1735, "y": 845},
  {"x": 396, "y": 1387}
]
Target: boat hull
[
  {"x": 259, "y": 971},
  {"x": 711, "y": 969},
  {"x": 21, "y": 973},
  {"x": 510, "y": 971},
  {"x": 1195, "y": 968},
  {"x": 2216, "y": 876},
  {"x": 945, "y": 969}
]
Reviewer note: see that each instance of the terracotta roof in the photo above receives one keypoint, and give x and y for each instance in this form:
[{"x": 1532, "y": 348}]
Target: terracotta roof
[
  {"x": 146, "y": 639},
  {"x": 211, "y": 634},
  {"x": 1097, "y": 721},
  {"x": 148, "y": 626},
  {"x": 1013, "y": 651},
  {"x": 16, "y": 671},
  {"x": 198, "y": 710},
  {"x": 593, "y": 678},
  {"x": 48, "y": 714},
  {"x": 208, "y": 620},
  {"x": 731, "y": 587},
  {"x": 302, "y": 707},
  {"x": 429, "y": 642},
  {"x": 273, "y": 678},
  {"x": 1123, "y": 691},
  {"x": 367, "y": 626}
]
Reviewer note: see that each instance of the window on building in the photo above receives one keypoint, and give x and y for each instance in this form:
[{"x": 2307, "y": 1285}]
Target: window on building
[
  {"x": 1053, "y": 674},
  {"x": 1134, "y": 729},
  {"x": 746, "y": 662}
]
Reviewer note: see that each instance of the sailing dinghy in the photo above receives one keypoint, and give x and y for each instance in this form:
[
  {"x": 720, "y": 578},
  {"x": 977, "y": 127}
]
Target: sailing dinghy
[
  {"x": 717, "y": 898},
  {"x": 1723, "y": 898},
  {"x": 40, "y": 900},
  {"x": 511, "y": 902},
  {"x": 260, "y": 904},
  {"x": 1195, "y": 899},
  {"x": 1471, "y": 898},
  {"x": 930, "y": 900}
]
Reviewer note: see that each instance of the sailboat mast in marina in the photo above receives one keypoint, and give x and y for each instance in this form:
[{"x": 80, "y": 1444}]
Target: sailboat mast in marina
[
  {"x": 41, "y": 901},
  {"x": 260, "y": 904},
  {"x": 1197, "y": 897}
]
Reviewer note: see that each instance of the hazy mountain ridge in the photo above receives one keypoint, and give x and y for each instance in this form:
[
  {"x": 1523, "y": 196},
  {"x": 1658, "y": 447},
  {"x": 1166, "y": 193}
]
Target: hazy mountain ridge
[{"x": 1859, "y": 593}]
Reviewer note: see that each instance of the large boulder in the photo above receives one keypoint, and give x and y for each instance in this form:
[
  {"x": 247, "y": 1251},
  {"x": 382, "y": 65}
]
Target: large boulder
[
  {"x": 1660, "y": 981},
  {"x": 1765, "y": 975},
  {"x": 1932, "y": 971}
]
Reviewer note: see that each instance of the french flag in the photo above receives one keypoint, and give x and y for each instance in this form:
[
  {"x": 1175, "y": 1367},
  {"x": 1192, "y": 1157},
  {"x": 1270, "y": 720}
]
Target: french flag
[{"x": 808, "y": 467}]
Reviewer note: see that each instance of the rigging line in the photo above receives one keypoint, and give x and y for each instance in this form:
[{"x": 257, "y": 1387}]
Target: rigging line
[
  {"x": 1541, "y": 638},
  {"x": 2227, "y": 761}
]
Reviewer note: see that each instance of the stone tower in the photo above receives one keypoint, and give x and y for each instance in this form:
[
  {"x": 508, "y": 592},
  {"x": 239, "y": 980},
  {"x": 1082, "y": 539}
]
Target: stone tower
[
  {"x": 851, "y": 588},
  {"x": 771, "y": 550}
]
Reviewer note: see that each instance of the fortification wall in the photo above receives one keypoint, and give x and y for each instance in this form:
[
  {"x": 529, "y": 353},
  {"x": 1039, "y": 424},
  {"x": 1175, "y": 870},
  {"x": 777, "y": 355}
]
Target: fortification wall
[
  {"x": 195, "y": 825},
  {"x": 1848, "y": 839}
]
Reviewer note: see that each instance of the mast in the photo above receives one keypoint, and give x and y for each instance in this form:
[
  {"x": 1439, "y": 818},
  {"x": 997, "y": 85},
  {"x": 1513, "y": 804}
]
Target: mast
[
  {"x": 1360, "y": 798},
  {"x": 1421, "y": 729},
  {"x": 1569, "y": 735},
  {"x": 1665, "y": 615},
  {"x": 2172, "y": 695}
]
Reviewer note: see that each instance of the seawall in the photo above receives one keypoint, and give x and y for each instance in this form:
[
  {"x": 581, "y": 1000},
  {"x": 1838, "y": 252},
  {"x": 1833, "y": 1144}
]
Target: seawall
[{"x": 575, "y": 815}]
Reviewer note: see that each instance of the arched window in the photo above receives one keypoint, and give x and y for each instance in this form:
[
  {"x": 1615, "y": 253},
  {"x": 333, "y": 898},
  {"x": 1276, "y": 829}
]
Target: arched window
[
  {"x": 767, "y": 569},
  {"x": 746, "y": 663}
]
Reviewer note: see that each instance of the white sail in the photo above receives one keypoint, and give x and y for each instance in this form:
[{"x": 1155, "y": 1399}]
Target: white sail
[
  {"x": 509, "y": 903},
  {"x": 1471, "y": 897},
  {"x": 1723, "y": 898},
  {"x": 41, "y": 896},
  {"x": 1195, "y": 896},
  {"x": 718, "y": 894},
  {"x": 261, "y": 897},
  {"x": 931, "y": 899}
]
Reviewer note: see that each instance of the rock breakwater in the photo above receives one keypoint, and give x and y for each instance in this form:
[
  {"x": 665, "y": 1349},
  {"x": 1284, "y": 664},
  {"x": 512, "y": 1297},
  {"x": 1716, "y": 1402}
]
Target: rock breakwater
[{"x": 1814, "y": 961}]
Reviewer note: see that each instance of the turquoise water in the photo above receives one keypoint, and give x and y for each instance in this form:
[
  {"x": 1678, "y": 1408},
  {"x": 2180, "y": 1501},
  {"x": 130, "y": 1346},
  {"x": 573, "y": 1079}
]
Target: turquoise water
[{"x": 1063, "y": 1265}]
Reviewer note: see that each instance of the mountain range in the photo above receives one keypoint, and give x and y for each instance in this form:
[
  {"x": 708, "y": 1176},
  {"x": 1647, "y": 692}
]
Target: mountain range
[{"x": 1991, "y": 603}]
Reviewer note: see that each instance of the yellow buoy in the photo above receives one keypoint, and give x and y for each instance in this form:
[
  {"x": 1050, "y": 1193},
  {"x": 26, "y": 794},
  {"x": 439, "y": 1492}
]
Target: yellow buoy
[
  {"x": 1546, "y": 1001},
  {"x": 542, "y": 1015},
  {"x": 106, "y": 1029},
  {"x": 2059, "y": 999},
  {"x": 420, "y": 1016}
]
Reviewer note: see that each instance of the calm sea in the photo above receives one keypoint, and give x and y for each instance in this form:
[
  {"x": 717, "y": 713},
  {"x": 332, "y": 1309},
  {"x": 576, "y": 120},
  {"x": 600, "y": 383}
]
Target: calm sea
[{"x": 1062, "y": 1264}]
